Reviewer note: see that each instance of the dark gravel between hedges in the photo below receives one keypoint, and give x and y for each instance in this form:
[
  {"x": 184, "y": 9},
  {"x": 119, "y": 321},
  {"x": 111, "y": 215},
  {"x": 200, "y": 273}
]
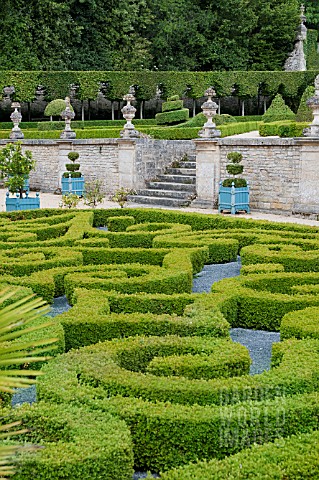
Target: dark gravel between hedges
[{"x": 258, "y": 342}]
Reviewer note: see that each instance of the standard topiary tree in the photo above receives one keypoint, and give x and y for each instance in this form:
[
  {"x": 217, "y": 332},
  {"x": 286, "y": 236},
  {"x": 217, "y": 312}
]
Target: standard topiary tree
[
  {"x": 304, "y": 113},
  {"x": 234, "y": 168},
  {"x": 55, "y": 108},
  {"x": 278, "y": 110},
  {"x": 72, "y": 168}
]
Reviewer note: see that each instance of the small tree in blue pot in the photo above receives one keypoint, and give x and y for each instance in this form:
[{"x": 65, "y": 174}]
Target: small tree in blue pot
[
  {"x": 234, "y": 191},
  {"x": 15, "y": 167}
]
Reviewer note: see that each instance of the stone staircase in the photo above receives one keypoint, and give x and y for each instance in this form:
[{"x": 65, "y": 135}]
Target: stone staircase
[{"x": 176, "y": 187}]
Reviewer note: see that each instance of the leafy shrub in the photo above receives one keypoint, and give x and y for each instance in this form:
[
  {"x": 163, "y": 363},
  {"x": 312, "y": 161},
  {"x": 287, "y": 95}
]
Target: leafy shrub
[{"x": 172, "y": 105}]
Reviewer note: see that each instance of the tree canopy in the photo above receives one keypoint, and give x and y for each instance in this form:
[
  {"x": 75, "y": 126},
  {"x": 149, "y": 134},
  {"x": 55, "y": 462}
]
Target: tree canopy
[{"x": 148, "y": 34}]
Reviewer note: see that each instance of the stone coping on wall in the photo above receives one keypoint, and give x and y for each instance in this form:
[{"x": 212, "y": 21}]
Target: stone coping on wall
[
  {"x": 260, "y": 141},
  {"x": 75, "y": 141}
]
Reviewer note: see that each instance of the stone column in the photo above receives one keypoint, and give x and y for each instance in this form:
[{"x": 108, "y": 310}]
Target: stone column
[
  {"x": 127, "y": 151},
  {"x": 65, "y": 146},
  {"x": 207, "y": 172}
]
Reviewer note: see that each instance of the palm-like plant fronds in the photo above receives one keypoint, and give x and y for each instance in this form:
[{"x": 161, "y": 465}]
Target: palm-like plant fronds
[{"x": 15, "y": 320}]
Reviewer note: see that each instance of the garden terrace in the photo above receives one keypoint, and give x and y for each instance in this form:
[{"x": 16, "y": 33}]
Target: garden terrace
[{"x": 152, "y": 362}]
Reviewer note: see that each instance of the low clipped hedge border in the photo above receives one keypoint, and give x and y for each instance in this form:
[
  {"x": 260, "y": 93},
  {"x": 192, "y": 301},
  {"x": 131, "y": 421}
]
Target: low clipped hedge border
[
  {"x": 78, "y": 443},
  {"x": 92, "y": 320},
  {"x": 158, "y": 406},
  {"x": 292, "y": 257},
  {"x": 300, "y": 324},
  {"x": 295, "y": 457},
  {"x": 90, "y": 376}
]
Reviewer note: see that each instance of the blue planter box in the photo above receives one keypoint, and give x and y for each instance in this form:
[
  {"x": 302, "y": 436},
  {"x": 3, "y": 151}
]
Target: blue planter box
[
  {"x": 233, "y": 199},
  {"x": 73, "y": 185},
  {"x": 25, "y": 203}
]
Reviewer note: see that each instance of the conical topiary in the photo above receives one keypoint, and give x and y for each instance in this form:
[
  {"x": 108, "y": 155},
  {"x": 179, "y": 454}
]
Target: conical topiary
[
  {"x": 304, "y": 113},
  {"x": 278, "y": 110},
  {"x": 234, "y": 168}
]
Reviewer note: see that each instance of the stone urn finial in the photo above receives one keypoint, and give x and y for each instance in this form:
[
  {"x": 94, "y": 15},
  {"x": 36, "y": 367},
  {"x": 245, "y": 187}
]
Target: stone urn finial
[
  {"x": 67, "y": 116},
  {"x": 209, "y": 110},
  {"x": 16, "y": 118},
  {"x": 129, "y": 113},
  {"x": 313, "y": 103}
]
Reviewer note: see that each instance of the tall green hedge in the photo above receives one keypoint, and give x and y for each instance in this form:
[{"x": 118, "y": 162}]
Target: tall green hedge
[{"x": 247, "y": 83}]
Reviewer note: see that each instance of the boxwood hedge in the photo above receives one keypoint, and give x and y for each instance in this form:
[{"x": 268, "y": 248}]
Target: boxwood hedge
[{"x": 153, "y": 364}]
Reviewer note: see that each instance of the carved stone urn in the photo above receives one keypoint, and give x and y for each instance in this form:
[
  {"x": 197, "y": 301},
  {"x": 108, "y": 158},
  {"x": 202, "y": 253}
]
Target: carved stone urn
[
  {"x": 209, "y": 110},
  {"x": 313, "y": 103},
  {"x": 67, "y": 116},
  {"x": 129, "y": 113},
  {"x": 16, "y": 118}
]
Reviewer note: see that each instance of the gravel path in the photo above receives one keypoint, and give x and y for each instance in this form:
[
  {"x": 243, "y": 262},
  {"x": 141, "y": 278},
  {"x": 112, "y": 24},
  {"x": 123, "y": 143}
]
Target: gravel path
[
  {"x": 259, "y": 343},
  {"x": 213, "y": 273}
]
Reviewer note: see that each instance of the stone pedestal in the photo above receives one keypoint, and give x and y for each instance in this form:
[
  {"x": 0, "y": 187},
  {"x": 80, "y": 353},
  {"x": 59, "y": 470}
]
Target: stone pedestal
[
  {"x": 126, "y": 154},
  {"x": 207, "y": 173},
  {"x": 308, "y": 195}
]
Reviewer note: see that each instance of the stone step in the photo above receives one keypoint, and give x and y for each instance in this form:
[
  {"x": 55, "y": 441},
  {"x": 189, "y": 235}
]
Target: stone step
[
  {"x": 172, "y": 186},
  {"x": 190, "y": 158},
  {"x": 186, "y": 179},
  {"x": 166, "y": 193},
  {"x": 180, "y": 171},
  {"x": 188, "y": 165},
  {"x": 165, "y": 201}
]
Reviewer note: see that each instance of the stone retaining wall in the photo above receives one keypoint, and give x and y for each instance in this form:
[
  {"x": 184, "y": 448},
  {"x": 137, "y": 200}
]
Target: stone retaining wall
[
  {"x": 272, "y": 168},
  {"x": 99, "y": 158},
  {"x": 283, "y": 173}
]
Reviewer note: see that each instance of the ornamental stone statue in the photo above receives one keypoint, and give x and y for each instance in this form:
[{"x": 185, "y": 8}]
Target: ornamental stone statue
[
  {"x": 209, "y": 110},
  {"x": 68, "y": 115}
]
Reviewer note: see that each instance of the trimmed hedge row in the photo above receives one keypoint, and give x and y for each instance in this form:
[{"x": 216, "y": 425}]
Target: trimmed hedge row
[
  {"x": 292, "y": 257},
  {"x": 177, "y": 419},
  {"x": 301, "y": 324},
  {"x": 141, "y": 236},
  {"x": 293, "y": 458},
  {"x": 167, "y": 435},
  {"x": 282, "y": 129},
  {"x": 76, "y": 443},
  {"x": 119, "y": 224},
  {"x": 260, "y": 301},
  {"x": 91, "y": 319},
  {"x": 231, "y": 360},
  {"x": 56, "y": 125},
  {"x": 105, "y": 365},
  {"x": 220, "y": 250},
  {"x": 20, "y": 262},
  {"x": 197, "y": 221}
]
